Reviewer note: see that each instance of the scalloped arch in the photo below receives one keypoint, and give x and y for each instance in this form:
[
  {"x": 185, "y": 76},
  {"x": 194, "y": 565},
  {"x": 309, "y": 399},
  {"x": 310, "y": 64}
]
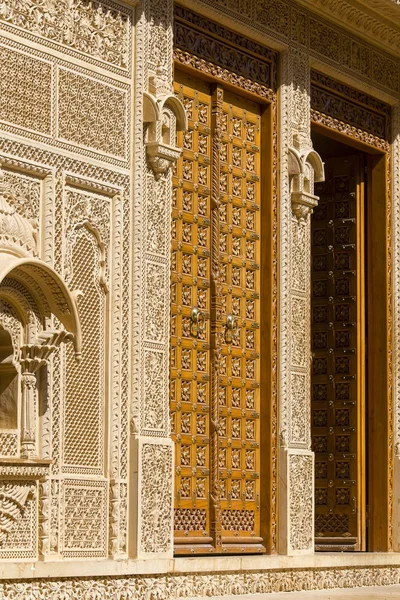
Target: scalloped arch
[{"x": 60, "y": 299}]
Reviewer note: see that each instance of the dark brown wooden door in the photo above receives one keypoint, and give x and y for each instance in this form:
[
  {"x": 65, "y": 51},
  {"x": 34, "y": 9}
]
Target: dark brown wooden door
[{"x": 338, "y": 349}]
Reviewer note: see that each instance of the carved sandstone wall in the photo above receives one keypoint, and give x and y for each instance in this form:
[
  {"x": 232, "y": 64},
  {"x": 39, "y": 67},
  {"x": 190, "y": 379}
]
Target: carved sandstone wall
[{"x": 82, "y": 110}]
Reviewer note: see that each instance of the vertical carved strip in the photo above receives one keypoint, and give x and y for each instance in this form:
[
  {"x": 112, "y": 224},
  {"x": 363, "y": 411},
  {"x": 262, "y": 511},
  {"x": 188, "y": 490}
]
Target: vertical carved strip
[
  {"x": 44, "y": 517},
  {"x": 396, "y": 319},
  {"x": 296, "y": 459},
  {"x": 216, "y": 326}
]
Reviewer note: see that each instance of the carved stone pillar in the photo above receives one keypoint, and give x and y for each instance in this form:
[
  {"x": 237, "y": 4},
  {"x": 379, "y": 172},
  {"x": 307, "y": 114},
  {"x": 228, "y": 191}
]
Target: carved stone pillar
[
  {"x": 29, "y": 413},
  {"x": 296, "y": 460},
  {"x": 158, "y": 115}
]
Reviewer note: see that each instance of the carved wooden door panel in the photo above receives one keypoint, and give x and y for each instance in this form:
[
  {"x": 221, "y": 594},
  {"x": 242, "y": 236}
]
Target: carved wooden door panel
[
  {"x": 238, "y": 386},
  {"x": 215, "y": 322},
  {"x": 338, "y": 403},
  {"x": 190, "y": 325}
]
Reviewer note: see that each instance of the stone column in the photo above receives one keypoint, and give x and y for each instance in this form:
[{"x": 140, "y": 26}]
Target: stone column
[
  {"x": 157, "y": 115},
  {"x": 300, "y": 165}
]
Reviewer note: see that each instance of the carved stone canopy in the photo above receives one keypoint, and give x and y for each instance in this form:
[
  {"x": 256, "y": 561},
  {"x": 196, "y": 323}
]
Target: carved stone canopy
[
  {"x": 19, "y": 262},
  {"x": 305, "y": 168},
  {"x": 164, "y": 116}
]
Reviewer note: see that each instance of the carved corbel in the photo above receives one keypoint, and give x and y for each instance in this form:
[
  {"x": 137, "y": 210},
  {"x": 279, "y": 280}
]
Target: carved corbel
[
  {"x": 163, "y": 116},
  {"x": 305, "y": 168}
]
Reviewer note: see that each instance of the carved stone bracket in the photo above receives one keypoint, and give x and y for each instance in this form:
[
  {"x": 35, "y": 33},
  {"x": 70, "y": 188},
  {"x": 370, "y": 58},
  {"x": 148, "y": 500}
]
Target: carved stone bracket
[
  {"x": 164, "y": 116},
  {"x": 161, "y": 157}
]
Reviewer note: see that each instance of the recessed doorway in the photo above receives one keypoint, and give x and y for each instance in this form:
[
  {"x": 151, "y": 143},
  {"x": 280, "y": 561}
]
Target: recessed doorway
[{"x": 349, "y": 399}]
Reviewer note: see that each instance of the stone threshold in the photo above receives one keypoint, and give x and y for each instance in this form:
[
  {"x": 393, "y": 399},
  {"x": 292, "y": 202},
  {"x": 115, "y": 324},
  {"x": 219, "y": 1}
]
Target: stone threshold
[{"x": 199, "y": 565}]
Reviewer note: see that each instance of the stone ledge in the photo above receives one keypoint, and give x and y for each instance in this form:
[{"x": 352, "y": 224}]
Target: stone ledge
[{"x": 221, "y": 565}]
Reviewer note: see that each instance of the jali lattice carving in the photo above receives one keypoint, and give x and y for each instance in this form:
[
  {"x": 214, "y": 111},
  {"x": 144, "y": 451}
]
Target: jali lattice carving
[{"x": 85, "y": 519}]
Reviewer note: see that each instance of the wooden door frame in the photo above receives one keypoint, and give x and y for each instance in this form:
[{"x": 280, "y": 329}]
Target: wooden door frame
[{"x": 379, "y": 416}]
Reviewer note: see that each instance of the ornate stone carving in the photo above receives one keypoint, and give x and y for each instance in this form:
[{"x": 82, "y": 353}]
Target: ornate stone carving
[
  {"x": 88, "y": 113},
  {"x": 18, "y": 519},
  {"x": 190, "y": 585},
  {"x": 239, "y": 59},
  {"x": 85, "y": 519},
  {"x": 92, "y": 114},
  {"x": 99, "y": 29},
  {"x": 281, "y": 20},
  {"x": 156, "y": 498},
  {"x": 165, "y": 115},
  {"x": 26, "y": 100},
  {"x": 301, "y": 507}
]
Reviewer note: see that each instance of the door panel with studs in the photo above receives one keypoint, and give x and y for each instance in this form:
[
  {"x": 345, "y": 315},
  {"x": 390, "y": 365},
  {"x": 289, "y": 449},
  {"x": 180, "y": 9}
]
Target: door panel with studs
[
  {"x": 239, "y": 361},
  {"x": 215, "y": 316},
  {"x": 190, "y": 326},
  {"x": 337, "y": 345}
]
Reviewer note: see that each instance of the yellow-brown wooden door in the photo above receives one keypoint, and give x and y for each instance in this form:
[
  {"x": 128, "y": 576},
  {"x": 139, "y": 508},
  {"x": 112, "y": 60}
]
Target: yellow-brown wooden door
[
  {"x": 215, "y": 341},
  {"x": 338, "y": 347}
]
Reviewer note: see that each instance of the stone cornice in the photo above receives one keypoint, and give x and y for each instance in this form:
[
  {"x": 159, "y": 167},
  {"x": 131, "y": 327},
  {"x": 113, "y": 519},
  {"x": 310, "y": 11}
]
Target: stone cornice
[{"x": 377, "y": 21}]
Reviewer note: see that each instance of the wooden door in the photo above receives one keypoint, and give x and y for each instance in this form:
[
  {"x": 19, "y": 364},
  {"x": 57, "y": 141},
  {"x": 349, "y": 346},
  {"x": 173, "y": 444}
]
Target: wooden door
[
  {"x": 338, "y": 349},
  {"x": 215, "y": 337}
]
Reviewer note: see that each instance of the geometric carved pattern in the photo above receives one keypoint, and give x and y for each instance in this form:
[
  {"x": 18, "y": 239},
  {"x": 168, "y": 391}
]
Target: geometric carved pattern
[
  {"x": 336, "y": 313},
  {"x": 26, "y": 98},
  {"x": 85, "y": 519},
  {"x": 85, "y": 384},
  {"x": 8, "y": 444},
  {"x": 91, "y": 114}
]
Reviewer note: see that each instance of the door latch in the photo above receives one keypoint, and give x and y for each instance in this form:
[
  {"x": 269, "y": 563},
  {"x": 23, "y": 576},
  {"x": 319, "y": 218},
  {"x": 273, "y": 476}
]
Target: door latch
[
  {"x": 231, "y": 325},
  {"x": 198, "y": 322}
]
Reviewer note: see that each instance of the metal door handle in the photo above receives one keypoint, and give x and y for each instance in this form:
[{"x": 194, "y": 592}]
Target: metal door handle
[
  {"x": 231, "y": 325},
  {"x": 198, "y": 321}
]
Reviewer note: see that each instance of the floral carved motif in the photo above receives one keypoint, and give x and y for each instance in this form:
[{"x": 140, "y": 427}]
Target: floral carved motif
[
  {"x": 194, "y": 585},
  {"x": 223, "y": 54},
  {"x": 156, "y": 498},
  {"x": 301, "y": 481},
  {"x": 99, "y": 29},
  {"x": 18, "y": 521}
]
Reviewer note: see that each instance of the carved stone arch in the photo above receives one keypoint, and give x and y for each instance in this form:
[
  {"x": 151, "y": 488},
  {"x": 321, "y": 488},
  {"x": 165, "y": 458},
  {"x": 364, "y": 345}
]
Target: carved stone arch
[
  {"x": 12, "y": 322},
  {"x": 61, "y": 302},
  {"x": 160, "y": 143},
  {"x": 176, "y": 106},
  {"x": 23, "y": 302},
  {"x": 101, "y": 246}
]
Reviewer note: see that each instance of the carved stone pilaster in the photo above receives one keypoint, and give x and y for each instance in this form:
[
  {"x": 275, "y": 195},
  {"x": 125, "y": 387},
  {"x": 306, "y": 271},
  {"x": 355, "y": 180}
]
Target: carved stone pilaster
[
  {"x": 304, "y": 166},
  {"x": 159, "y": 115}
]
